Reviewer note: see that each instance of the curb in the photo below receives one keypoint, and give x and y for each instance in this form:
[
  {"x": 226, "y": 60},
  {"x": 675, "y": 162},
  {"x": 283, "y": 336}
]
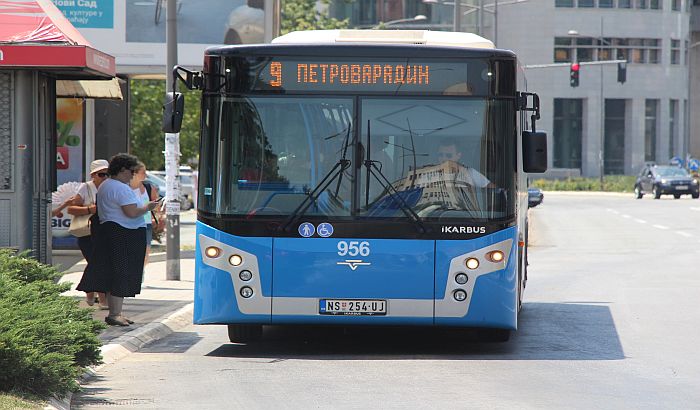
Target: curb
[
  {"x": 129, "y": 343},
  {"x": 590, "y": 193}
]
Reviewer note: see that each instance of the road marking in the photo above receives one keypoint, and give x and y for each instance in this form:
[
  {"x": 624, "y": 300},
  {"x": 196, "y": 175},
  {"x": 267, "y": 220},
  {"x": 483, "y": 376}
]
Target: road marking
[
  {"x": 613, "y": 211},
  {"x": 641, "y": 221},
  {"x": 626, "y": 216},
  {"x": 694, "y": 208},
  {"x": 686, "y": 234},
  {"x": 660, "y": 226}
]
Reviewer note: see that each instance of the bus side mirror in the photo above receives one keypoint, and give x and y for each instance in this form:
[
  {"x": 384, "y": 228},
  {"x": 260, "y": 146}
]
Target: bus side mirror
[
  {"x": 534, "y": 151},
  {"x": 173, "y": 111}
]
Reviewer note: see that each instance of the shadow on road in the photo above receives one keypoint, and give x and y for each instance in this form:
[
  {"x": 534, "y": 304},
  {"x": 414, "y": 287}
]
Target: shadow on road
[{"x": 548, "y": 331}]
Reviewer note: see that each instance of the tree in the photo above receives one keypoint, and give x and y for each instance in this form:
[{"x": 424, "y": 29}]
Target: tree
[
  {"x": 146, "y": 140},
  {"x": 298, "y": 15}
]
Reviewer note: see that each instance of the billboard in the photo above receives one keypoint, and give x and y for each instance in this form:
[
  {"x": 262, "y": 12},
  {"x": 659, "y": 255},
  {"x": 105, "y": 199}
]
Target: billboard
[
  {"x": 133, "y": 31},
  {"x": 70, "y": 164}
]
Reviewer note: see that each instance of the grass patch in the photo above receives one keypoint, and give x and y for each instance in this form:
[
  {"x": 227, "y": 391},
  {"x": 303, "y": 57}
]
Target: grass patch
[
  {"x": 16, "y": 401},
  {"x": 611, "y": 183}
]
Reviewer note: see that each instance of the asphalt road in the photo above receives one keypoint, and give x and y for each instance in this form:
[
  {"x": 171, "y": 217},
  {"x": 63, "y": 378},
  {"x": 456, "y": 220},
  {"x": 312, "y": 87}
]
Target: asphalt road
[{"x": 610, "y": 321}]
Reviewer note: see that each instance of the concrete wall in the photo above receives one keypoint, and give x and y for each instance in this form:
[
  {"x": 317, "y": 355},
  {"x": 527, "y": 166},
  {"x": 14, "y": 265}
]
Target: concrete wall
[{"x": 529, "y": 29}]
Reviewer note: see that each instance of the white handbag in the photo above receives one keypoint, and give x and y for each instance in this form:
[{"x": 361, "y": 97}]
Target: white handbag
[{"x": 80, "y": 224}]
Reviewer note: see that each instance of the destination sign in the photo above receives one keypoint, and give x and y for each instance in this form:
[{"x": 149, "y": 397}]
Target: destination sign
[{"x": 401, "y": 76}]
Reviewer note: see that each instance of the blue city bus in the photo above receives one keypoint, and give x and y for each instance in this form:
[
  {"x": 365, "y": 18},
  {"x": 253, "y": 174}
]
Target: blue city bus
[{"x": 362, "y": 178}]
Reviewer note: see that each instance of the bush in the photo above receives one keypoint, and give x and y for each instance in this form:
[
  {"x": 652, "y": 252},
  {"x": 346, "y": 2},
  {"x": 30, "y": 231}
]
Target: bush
[
  {"x": 25, "y": 269},
  {"x": 45, "y": 339},
  {"x": 611, "y": 183}
]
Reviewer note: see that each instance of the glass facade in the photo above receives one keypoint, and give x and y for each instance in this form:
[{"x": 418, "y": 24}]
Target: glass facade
[
  {"x": 614, "y": 136},
  {"x": 634, "y": 50},
  {"x": 568, "y": 129},
  {"x": 651, "y": 108},
  {"x": 672, "y": 127}
]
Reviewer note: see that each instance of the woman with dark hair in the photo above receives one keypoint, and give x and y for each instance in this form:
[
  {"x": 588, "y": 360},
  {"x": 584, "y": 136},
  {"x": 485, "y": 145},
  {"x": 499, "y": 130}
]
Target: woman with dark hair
[{"x": 121, "y": 239}]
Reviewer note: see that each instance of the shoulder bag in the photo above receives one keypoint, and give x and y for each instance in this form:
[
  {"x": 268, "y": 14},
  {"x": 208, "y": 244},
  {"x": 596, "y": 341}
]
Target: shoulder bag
[{"x": 80, "y": 224}]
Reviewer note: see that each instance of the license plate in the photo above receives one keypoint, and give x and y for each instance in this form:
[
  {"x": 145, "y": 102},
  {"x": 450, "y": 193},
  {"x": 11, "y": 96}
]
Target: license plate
[
  {"x": 352, "y": 307},
  {"x": 682, "y": 187}
]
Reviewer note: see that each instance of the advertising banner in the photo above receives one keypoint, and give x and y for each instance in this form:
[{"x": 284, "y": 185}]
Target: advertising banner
[
  {"x": 134, "y": 30},
  {"x": 69, "y": 165}
]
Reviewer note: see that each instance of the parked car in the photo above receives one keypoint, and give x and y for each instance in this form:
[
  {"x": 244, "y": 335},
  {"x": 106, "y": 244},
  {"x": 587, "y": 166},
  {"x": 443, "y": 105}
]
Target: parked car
[
  {"x": 158, "y": 179},
  {"x": 246, "y": 24},
  {"x": 534, "y": 197},
  {"x": 660, "y": 180}
]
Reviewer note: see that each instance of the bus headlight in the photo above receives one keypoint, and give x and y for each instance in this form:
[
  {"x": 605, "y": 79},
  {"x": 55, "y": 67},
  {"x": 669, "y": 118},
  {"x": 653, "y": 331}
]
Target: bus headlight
[
  {"x": 235, "y": 260},
  {"x": 472, "y": 263},
  {"x": 495, "y": 256},
  {"x": 461, "y": 278},
  {"x": 246, "y": 292},
  {"x": 460, "y": 295},
  {"x": 245, "y": 275},
  {"x": 212, "y": 252}
]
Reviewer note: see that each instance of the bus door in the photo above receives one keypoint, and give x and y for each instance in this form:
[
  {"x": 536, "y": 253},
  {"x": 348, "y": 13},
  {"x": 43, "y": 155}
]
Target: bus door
[{"x": 326, "y": 279}]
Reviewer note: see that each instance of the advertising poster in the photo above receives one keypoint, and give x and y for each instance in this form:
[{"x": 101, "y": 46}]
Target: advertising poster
[
  {"x": 134, "y": 30},
  {"x": 69, "y": 165}
]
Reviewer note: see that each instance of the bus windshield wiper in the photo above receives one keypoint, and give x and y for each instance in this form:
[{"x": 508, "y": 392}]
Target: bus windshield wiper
[
  {"x": 336, "y": 172},
  {"x": 376, "y": 172}
]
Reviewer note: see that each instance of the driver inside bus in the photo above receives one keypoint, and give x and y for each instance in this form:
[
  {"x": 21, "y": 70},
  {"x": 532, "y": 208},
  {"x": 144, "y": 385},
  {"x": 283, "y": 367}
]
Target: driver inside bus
[{"x": 447, "y": 151}]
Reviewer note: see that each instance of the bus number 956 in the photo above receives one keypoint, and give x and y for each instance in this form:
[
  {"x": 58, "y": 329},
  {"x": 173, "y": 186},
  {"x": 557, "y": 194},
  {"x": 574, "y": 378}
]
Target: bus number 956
[{"x": 353, "y": 248}]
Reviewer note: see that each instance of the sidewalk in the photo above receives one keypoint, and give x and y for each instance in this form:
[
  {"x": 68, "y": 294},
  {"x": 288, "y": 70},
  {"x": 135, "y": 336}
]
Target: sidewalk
[{"x": 158, "y": 300}]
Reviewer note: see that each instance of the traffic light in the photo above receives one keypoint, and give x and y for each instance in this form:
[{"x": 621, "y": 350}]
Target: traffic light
[
  {"x": 573, "y": 74},
  {"x": 622, "y": 72}
]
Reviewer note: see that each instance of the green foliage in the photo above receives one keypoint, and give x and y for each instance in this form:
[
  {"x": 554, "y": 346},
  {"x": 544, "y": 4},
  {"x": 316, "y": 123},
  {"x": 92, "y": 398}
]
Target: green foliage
[
  {"x": 147, "y": 141},
  {"x": 21, "y": 268},
  {"x": 298, "y": 15},
  {"x": 611, "y": 183},
  {"x": 45, "y": 338}
]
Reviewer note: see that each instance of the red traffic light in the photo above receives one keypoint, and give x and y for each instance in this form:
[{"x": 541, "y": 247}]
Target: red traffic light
[{"x": 574, "y": 74}]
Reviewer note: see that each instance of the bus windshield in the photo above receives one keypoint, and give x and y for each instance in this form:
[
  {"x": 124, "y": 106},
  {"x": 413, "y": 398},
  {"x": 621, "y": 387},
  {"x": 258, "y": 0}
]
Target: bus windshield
[{"x": 441, "y": 157}]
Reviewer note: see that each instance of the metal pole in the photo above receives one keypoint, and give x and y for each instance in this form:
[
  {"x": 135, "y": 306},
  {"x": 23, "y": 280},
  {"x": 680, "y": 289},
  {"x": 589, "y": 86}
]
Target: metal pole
[
  {"x": 172, "y": 155},
  {"x": 456, "y": 21},
  {"x": 480, "y": 16},
  {"x": 602, "y": 118},
  {"x": 495, "y": 23}
]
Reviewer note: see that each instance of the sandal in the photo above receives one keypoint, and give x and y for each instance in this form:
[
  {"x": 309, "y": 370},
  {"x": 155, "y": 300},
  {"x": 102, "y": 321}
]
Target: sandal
[
  {"x": 90, "y": 301},
  {"x": 104, "y": 307},
  {"x": 116, "y": 321},
  {"x": 129, "y": 321}
]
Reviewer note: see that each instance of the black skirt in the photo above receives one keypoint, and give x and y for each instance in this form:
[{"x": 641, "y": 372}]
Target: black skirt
[{"x": 116, "y": 265}]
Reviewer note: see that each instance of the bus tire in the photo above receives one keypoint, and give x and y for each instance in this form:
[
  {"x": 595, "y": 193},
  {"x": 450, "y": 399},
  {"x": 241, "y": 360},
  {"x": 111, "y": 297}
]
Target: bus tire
[
  {"x": 677, "y": 196},
  {"x": 495, "y": 335},
  {"x": 244, "y": 333}
]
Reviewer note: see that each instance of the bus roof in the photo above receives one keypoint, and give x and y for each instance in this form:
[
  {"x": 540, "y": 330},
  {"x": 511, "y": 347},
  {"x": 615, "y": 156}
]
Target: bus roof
[{"x": 428, "y": 38}]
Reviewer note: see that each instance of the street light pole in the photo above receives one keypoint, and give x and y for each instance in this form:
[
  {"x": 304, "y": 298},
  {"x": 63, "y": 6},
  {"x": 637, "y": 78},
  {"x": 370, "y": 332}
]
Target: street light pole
[
  {"x": 602, "y": 117},
  {"x": 172, "y": 153},
  {"x": 457, "y": 19},
  {"x": 601, "y": 150}
]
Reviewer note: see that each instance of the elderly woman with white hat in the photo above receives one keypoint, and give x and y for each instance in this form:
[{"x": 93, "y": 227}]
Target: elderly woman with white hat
[{"x": 84, "y": 203}]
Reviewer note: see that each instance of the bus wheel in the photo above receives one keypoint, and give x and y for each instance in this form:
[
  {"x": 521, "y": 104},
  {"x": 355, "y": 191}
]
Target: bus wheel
[
  {"x": 495, "y": 335},
  {"x": 244, "y": 333}
]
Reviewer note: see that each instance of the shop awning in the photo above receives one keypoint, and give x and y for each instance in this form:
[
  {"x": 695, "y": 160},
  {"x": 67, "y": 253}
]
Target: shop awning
[
  {"x": 34, "y": 34},
  {"x": 104, "y": 89}
]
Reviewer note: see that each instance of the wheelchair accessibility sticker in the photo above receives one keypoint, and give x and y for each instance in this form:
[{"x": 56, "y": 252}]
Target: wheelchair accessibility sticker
[
  {"x": 307, "y": 229},
  {"x": 325, "y": 230}
]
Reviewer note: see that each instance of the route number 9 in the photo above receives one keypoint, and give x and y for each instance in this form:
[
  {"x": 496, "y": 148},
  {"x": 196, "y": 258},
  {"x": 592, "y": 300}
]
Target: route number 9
[
  {"x": 353, "y": 248},
  {"x": 276, "y": 72}
]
